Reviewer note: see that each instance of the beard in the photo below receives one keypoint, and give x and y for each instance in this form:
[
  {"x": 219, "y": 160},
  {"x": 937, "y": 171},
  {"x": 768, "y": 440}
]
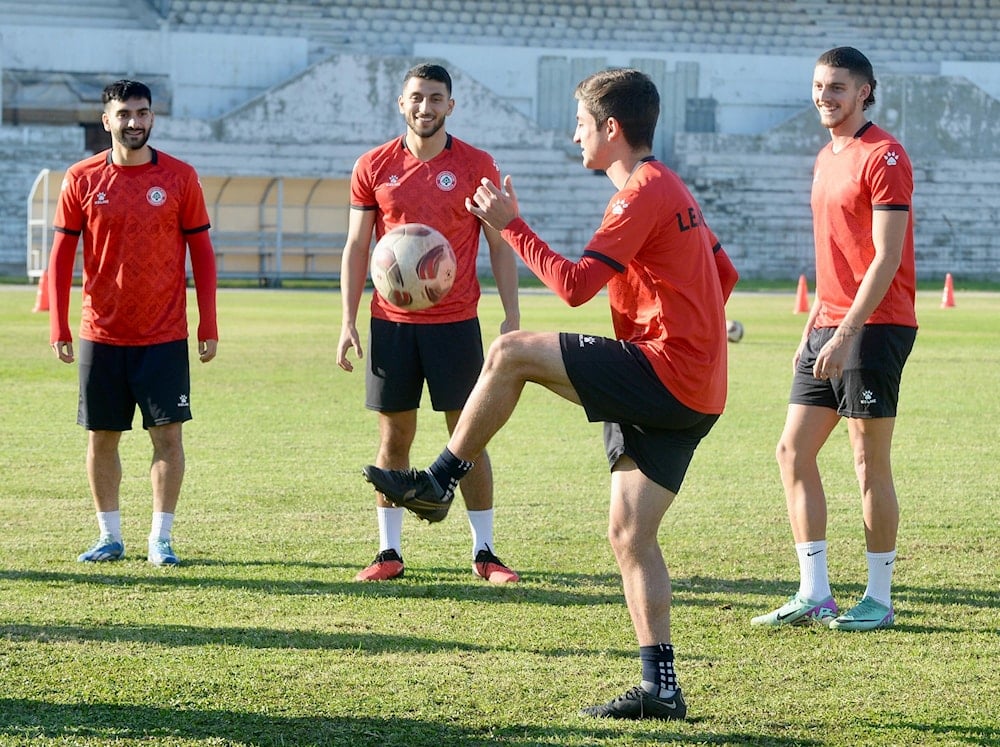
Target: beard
[
  {"x": 423, "y": 128},
  {"x": 132, "y": 141},
  {"x": 833, "y": 119}
]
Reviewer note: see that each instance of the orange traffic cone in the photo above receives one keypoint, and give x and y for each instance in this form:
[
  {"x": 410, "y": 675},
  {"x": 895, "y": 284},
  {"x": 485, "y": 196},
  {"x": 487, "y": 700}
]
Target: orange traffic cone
[
  {"x": 42, "y": 296},
  {"x": 802, "y": 296},
  {"x": 948, "y": 297}
]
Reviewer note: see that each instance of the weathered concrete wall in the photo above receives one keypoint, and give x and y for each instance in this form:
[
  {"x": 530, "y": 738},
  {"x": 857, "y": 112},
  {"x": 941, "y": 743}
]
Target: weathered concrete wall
[
  {"x": 24, "y": 151},
  {"x": 755, "y": 189}
]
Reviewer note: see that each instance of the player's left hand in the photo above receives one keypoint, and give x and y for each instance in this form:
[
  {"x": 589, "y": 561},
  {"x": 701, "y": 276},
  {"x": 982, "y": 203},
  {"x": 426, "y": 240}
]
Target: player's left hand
[
  {"x": 207, "y": 350},
  {"x": 831, "y": 359},
  {"x": 493, "y": 205}
]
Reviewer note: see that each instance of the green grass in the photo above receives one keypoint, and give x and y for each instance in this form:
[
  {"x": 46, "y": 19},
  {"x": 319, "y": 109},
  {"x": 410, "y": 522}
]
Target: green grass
[{"x": 262, "y": 638}]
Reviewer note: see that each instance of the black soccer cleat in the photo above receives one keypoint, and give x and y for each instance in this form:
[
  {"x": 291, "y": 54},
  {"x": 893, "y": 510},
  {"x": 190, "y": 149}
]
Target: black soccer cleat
[
  {"x": 638, "y": 704},
  {"x": 412, "y": 489}
]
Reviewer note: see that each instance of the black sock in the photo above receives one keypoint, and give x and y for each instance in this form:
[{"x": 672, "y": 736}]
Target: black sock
[
  {"x": 447, "y": 470},
  {"x": 658, "y": 676}
]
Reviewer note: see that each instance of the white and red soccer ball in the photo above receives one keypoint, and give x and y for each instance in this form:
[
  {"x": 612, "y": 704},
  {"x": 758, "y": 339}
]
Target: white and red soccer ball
[
  {"x": 734, "y": 330},
  {"x": 413, "y": 266}
]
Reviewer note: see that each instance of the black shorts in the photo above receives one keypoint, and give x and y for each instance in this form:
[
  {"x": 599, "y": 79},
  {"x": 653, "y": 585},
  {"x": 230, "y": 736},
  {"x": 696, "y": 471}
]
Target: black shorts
[
  {"x": 115, "y": 378},
  {"x": 642, "y": 419},
  {"x": 869, "y": 387},
  {"x": 402, "y": 356}
]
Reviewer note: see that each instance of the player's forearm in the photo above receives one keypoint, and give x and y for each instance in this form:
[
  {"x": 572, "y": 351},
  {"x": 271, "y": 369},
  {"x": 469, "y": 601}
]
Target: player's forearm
[
  {"x": 888, "y": 235},
  {"x": 353, "y": 274},
  {"x": 205, "y": 284},
  {"x": 503, "y": 262},
  {"x": 60, "y": 281},
  {"x": 574, "y": 282}
]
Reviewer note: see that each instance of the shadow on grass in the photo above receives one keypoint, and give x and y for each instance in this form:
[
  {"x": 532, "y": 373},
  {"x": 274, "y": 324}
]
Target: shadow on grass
[
  {"x": 982, "y": 736},
  {"x": 561, "y": 589},
  {"x": 781, "y": 589},
  {"x": 551, "y": 588},
  {"x": 246, "y": 637},
  {"x": 99, "y": 722}
]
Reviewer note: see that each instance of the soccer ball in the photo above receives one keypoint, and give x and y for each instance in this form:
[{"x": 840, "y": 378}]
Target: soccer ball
[
  {"x": 413, "y": 266},
  {"x": 734, "y": 330}
]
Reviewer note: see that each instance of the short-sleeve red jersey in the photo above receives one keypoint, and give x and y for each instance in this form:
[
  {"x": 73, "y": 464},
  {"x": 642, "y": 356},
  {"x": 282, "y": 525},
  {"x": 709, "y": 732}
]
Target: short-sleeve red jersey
[
  {"x": 135, "y": 221},
  {"x": 872, "y": 173},
  {"x": 401, "y": 188},
  {"x": 665, "y": 292}
]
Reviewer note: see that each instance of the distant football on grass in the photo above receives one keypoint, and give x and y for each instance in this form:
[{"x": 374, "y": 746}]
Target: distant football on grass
[
  {"x": 413, "y": 266},
  {"x": 734, "y": 330}
]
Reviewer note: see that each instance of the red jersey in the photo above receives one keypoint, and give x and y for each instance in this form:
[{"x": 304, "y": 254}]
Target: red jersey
[
  {"x": 872, "y": 173},
  {"x": 402, "y": 189},
  {"x": 135, "y": 221},
  {"x": 664, "y": 289}
]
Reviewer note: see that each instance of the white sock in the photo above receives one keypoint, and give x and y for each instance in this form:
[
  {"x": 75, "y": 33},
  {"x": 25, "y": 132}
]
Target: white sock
[
  {"x": 814, "y": 583},
  {"x": 390, "y": 528},
  {"x": 880, "y": 565},
  {"x": 163, "y": 524},
  {"x": 110, "y": 522},
  {"x": 481, "y": 523}
]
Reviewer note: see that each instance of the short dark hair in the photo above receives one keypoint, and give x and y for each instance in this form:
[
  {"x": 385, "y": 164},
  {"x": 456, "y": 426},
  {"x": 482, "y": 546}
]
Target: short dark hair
[
  {"x": 626, "y": 94},
  {"x": 429, "y": 71},
  {"x": 855, "y": 63},
  {"x": 123, "y": 90}
]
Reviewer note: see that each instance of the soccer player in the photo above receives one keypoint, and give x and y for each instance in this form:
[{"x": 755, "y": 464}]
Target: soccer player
[
  {"x": 139, "y": 211},
  {"x": 423, "y": 177},
  {"x": 659, "y": 387},
  {"x": 857, "y": 338}
]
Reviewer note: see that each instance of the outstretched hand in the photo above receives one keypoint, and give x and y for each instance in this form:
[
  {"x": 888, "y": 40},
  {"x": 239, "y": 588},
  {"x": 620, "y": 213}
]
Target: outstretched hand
[{"x": 492, "y": 205}]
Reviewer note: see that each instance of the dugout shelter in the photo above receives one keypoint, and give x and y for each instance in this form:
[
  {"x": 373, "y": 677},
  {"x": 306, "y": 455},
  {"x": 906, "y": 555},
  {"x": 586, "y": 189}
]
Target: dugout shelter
[{"x": 266, "y": 229}]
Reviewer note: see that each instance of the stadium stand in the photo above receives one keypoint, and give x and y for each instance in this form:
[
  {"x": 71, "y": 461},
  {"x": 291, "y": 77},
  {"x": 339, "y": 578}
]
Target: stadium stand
[
  {"x": 754, "y": 187},
  {"x": 927, "y": 31},
  {"x": 116, "y": 14}
]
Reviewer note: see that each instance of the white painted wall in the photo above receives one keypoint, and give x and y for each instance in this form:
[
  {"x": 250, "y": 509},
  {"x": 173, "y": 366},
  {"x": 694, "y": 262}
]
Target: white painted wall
[
  {"x": 986, "y": 75},
  {"x": 754, "y": 93},
  {"x": 211, "y": 73}
]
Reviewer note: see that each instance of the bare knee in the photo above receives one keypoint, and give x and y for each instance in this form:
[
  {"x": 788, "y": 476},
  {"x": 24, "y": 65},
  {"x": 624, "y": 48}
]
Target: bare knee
[
  {"x": 790, "y": 459},
  {"x": 503, "y": 350},
  {"x": 519, "y": 354},
  {"x": 168, "y": 443},
  {"x": 628, "y": 539},
  {"x": 103, "y": 443},
  {"x": 784, "y": 456},
  {"x": 396, "y": 434}
]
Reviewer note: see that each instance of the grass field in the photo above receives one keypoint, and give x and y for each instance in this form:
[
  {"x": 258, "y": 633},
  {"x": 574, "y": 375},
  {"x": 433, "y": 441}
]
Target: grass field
[{"x": 261, "y": 637}]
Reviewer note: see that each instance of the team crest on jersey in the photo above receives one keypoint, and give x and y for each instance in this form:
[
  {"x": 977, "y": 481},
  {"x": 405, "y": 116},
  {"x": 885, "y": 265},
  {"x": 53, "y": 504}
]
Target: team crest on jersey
[
  {"x": 156, "y": 196},
  {"x": 619, "y": 207},
  {"x": 446, "y": 181}
]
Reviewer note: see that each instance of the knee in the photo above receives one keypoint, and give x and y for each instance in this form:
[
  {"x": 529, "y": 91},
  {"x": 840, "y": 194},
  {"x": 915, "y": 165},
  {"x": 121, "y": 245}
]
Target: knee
[
  {"x": 872, "y": 472},
  {"x": 396, "y": 434},
  {"x": 505, "y": 350},
  {"x": 623, "y": 537},
  {"x": 498, "y": 351},
  {"x": 787, "y": 457},
  {"x": 168, "y": 442},
  {"x": 783, "y": 455}
]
